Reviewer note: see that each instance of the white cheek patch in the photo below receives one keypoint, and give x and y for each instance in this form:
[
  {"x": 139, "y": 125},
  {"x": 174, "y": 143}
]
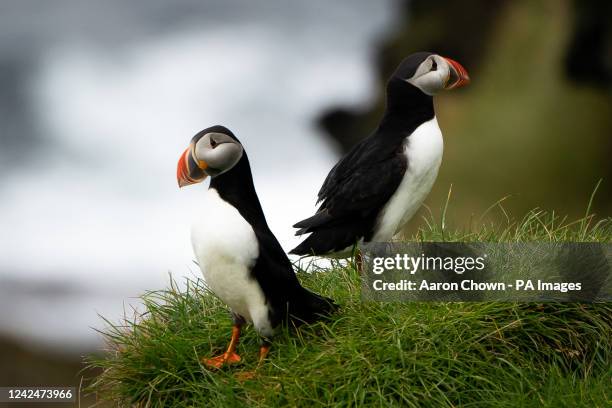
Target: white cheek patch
[
  {"x": 221, "y": 158},
  {"x": 431, "y": 82}
]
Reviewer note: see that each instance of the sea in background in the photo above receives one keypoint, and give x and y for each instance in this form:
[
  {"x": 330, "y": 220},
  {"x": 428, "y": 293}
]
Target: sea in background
[{"x": 98, "y": 101}]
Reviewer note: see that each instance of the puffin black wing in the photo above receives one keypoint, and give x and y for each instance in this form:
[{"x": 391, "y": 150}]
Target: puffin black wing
[
  {"x": 272, "y": 268},
  {"x": 352, "y": 196},
  {"x": 289, "y": 299}
]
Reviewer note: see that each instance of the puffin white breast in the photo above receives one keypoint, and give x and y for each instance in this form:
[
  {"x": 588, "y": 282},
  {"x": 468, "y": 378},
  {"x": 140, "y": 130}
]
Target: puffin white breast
[
  {"x": 423, "y": 149},
  {"x": 226, "y": 249}
]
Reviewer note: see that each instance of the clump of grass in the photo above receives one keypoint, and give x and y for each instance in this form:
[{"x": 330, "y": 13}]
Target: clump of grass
[
  {"x": 373, "y": 354},
  {"x": 536, "y": 225}
]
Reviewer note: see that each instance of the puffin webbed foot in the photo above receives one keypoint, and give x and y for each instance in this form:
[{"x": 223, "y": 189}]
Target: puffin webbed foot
[
  {"x": 229, "y": 357},
  {"x": 249, "y": 375}
]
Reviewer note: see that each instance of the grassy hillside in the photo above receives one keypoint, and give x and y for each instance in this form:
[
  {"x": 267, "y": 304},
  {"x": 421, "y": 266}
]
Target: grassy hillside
[{"x": 374, "y": 354}]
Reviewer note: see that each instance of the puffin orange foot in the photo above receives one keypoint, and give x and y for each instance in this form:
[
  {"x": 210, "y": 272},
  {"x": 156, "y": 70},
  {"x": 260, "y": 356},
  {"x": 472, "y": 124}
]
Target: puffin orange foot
[
  {"x": 249, "y": 375},
  {"x": 219, "y": 361}
]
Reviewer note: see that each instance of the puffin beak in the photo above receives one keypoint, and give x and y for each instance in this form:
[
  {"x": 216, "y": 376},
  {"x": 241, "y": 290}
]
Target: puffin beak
[
  {"x": 188, "y": 170},
  {"x": 458, "y": 76}
]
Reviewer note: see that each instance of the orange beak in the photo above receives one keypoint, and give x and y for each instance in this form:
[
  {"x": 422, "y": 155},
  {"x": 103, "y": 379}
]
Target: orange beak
[
  {"x": 458, "y": 76},
  {"x": 188, "y": 171}
]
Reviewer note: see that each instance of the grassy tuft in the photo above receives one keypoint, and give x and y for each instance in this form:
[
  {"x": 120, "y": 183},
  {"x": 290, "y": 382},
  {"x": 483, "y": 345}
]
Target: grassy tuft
[{"x": 374, "y": 354}]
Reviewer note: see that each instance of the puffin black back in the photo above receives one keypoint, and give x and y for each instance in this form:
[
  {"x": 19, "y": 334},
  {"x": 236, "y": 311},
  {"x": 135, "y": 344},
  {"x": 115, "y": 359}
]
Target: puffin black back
[
  {"x": 273, "y": 269},
  {"x": 237, "y": 188}
]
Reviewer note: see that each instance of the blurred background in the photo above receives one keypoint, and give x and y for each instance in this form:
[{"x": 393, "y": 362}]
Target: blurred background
[{"x": 98, "y": 100}]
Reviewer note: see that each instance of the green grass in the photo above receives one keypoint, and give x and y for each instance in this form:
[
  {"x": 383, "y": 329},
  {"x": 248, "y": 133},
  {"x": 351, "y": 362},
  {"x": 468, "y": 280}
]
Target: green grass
[{"x": 374, "y": 354}]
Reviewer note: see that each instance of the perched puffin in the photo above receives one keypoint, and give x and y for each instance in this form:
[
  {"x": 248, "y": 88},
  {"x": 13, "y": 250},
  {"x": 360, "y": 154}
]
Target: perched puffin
[
  {"x": 372, "y": 192},
  {"x": 241, "y": 260}
]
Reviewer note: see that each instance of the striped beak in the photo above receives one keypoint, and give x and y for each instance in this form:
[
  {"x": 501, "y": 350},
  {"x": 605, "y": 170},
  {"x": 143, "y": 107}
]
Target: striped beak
[
  {"x": 458, "y": 76},
  {"x": 189, "y": 171}
]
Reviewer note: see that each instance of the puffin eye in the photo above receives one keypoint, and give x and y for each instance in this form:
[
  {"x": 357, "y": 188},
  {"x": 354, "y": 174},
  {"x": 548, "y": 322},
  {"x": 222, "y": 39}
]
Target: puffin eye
[
  {"x": 213, "y": 144},
  {"x": 434, "y": 66}
]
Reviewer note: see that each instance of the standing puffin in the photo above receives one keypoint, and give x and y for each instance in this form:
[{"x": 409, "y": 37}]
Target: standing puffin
[
  {"x": 372, "y": 192},
  {"x": 241, "y": 260}
]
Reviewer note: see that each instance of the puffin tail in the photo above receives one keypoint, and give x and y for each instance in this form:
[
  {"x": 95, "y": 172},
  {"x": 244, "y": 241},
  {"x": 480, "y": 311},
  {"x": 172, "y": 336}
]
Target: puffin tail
[{"x": 310, "y": 307}]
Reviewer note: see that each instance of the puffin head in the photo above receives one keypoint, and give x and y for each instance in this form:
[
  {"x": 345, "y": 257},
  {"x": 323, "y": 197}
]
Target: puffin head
[
  {"x": 431, "y": 73},
  {"x": 212, "y": 152}
]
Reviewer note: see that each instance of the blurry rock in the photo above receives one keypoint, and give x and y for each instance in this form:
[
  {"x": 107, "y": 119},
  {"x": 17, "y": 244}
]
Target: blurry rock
[
  {"x": 589, "y": 55},
  {"x": 23, "y": 366}
]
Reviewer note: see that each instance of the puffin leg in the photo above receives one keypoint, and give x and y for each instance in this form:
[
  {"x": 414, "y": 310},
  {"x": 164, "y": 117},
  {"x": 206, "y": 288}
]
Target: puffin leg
[
  {"x": 359, "y": 261},
  {"x": 264, "y": 349},
  {"x": 263, "y": 353},
  {"x": 230, "y": 356}
]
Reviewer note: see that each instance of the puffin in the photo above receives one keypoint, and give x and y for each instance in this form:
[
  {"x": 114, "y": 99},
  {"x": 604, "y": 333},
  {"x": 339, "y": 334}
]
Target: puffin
[
  {"x": 242, "y": 261},
  {"x": 374, "y": 190}
]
